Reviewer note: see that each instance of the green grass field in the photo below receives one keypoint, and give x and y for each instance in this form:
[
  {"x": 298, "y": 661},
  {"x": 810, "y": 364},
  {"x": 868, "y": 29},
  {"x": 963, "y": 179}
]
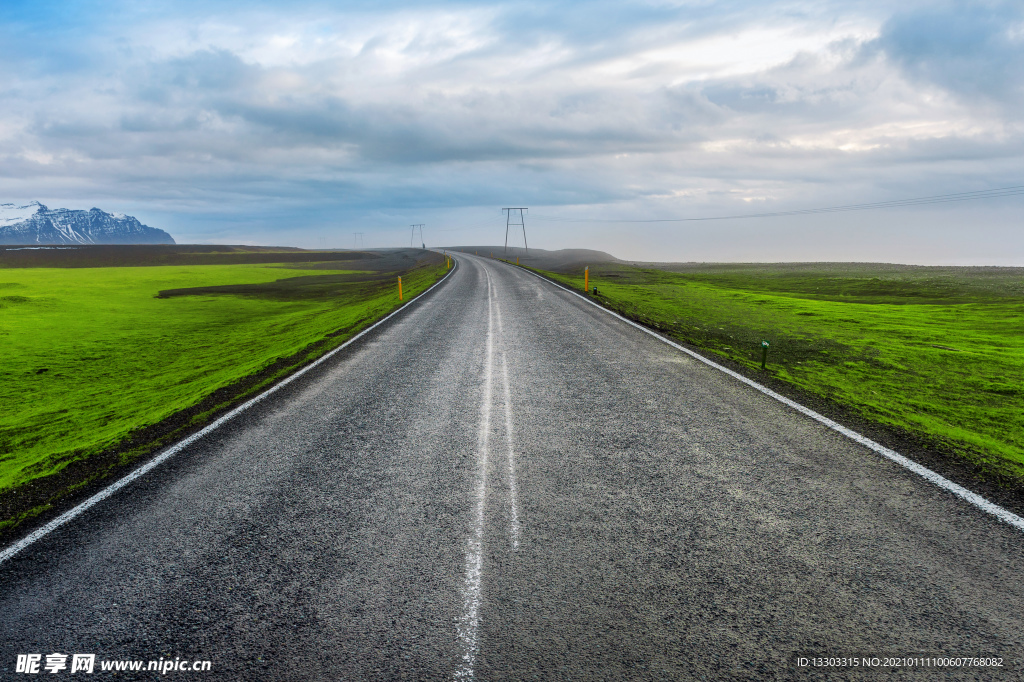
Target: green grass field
[
  {"x": 937, "y": 352},
  {"x": 93, "y": 354}
]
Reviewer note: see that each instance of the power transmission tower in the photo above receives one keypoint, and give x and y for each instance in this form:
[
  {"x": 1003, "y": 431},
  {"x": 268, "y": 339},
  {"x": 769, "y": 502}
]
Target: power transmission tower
[
  {"x": 509, "y": 222},
  {"x": 412, "y": 237},
  {"x": 357, "y": 239}
]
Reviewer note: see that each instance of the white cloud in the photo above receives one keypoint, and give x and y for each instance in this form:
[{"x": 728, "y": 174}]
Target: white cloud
[{"x": 649, "y": 110}]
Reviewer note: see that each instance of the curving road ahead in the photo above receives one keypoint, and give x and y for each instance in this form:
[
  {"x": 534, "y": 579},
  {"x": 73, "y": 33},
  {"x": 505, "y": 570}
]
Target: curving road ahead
[{"x": 503, "y": 483}]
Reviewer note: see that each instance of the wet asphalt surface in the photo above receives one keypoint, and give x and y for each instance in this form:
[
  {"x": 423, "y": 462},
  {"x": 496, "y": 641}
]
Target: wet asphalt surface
[{"x": 505, "y": 483}]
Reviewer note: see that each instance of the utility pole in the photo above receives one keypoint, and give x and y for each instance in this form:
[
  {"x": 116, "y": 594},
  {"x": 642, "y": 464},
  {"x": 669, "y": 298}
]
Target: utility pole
[
  {"x": 412, "y": 237},
  {"x": 509, "y": 222}
]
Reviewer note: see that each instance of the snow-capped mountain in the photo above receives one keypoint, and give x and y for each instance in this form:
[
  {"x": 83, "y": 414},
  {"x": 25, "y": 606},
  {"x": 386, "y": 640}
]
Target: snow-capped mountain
[{"x": 37, "y": 224}]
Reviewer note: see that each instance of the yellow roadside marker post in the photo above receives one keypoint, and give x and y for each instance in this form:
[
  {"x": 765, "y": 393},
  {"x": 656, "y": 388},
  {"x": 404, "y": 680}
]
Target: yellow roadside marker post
[
  {"x": 586, "y": 278},
  {"x": 399, "y": 288},
  {"x": 517, "y": 260}
]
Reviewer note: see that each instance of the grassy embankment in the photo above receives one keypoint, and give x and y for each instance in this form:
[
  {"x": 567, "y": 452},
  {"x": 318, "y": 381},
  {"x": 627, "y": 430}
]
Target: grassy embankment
[
  {"x": 94, "y": 357},
  {"x": 937, "y": 353}
]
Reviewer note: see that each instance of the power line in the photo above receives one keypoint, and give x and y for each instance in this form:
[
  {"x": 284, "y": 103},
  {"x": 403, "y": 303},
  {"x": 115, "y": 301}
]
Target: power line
[
  {"x": 479, "y": 226},
  {"x": 918, "y": 201}
]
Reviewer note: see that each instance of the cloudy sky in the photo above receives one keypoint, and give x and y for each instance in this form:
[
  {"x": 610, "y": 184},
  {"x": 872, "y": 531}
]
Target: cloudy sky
[{"x": 301, "y": 123}]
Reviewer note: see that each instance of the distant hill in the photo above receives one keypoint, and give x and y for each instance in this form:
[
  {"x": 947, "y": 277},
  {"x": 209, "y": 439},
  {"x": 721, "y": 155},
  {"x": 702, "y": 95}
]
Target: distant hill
[
  {"x": 562, "y": 260},
  {"x": 37, "y": 224}
]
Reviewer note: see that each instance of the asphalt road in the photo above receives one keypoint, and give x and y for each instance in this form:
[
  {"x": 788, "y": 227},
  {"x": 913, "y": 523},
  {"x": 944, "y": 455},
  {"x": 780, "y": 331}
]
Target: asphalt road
[{"x": 505, "y": 483}]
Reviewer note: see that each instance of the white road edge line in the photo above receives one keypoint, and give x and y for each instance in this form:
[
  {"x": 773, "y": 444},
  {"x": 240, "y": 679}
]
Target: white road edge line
[
  {"x": 963, "y": 493},
  {"x": 182, "y": 444}
]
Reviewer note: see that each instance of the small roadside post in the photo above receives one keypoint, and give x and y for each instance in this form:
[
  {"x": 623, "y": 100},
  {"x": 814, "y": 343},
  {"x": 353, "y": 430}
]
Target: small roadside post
[
  {"x": 586, "y": 279},
  {"x": 399, "y": 288},
  {"x": 764, "y": 354}
]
